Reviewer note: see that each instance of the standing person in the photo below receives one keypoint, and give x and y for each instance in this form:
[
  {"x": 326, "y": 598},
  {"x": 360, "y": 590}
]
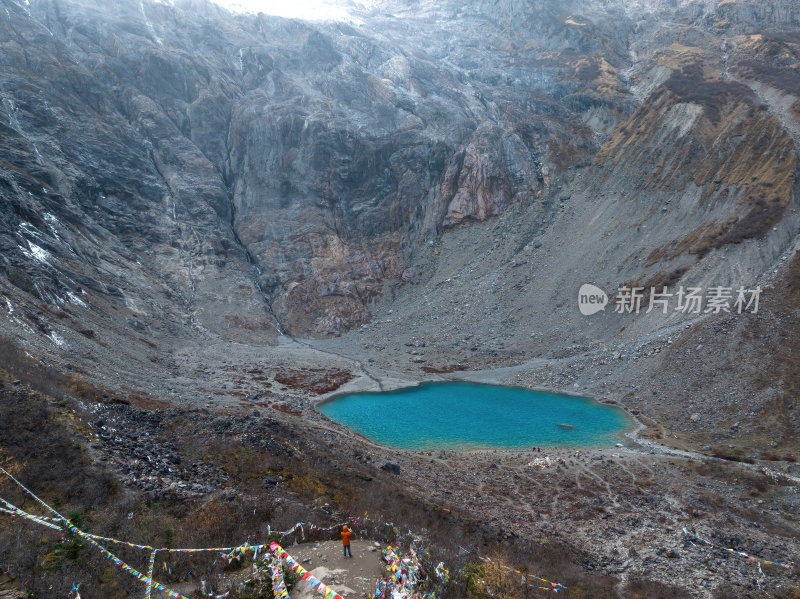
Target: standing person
[{"x": 346, "y": 541}]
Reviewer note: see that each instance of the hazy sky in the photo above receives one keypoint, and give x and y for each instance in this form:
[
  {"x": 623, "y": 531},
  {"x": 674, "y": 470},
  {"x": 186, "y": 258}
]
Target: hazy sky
[{"x": 299, "y": 9}]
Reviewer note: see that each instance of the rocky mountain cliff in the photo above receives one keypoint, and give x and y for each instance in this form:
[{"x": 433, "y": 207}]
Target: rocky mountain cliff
[{"x": 174, "y": 174}]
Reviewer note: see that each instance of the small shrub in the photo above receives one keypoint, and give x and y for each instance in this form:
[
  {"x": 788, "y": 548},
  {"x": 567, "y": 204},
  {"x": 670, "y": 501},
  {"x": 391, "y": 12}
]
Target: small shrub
[{"x": 76, "y": 518}]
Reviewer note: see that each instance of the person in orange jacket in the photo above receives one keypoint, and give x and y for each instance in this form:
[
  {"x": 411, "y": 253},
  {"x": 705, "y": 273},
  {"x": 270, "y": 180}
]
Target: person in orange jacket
[{"x": 346, "y": 541}]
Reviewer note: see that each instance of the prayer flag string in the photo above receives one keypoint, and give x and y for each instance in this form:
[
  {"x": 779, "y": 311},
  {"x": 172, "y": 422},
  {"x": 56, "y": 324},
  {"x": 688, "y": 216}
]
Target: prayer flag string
[
  {"x": 554, "y": 586},
  {"x": 315, "y": 583},
  {"x": 691, "y": 538},
  {"x": 62, "y": 524}
]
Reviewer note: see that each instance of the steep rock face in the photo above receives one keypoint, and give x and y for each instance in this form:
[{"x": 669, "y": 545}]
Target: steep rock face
[
  {"x": 486, "y": 176},
  {"x": 375, "y": 143},
  {"x": 327, "y": 193},
  {"x": 194, "y": 142},
  {"x": 713, "y": 146},
  {"x": 115, "y": 222},
  {"x": 354, "y": 148},
  {"x": 710, "y": 134},
  {"x": 740, "y": 15}
]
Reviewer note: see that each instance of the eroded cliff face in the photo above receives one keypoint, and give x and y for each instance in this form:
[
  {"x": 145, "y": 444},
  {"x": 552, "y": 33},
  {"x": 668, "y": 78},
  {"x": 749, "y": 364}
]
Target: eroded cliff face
[
  {"x": 324, "y": 154},
  {"x": 359, "y": 149},
  {"x": 712, "y": 145},
  {"x": 166, "y": 165},
  {"x": 712, "y": 135}
]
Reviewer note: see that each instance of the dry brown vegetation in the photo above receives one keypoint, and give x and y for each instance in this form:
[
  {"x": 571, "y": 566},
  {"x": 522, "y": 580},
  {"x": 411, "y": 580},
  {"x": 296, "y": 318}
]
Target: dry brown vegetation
[
  {"x": 689, "y": 84},
  {"x": 444, "y": 369},
  {"x": 316, "y": 380},
  {"x": 753, "y": 173},
  {"x": 786, "y": 78},
  {"x": 663, "y": 279}
]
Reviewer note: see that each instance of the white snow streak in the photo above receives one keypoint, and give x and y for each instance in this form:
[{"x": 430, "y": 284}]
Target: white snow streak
[
  {"x": 149, "y": 24},
  {"x": 52, "y": 221},
  {"x": 34, "y": 252},
  {"x": 76, "y": 300},
  {"x": 57, "y": 339}
]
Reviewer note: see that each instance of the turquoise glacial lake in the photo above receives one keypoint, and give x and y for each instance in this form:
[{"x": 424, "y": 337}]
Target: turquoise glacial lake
[{"x": 460, "y": 415}]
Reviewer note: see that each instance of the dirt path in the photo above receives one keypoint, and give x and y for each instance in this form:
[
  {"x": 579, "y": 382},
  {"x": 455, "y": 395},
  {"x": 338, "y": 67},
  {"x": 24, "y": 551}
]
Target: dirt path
[{"x": 350, "y": 577}]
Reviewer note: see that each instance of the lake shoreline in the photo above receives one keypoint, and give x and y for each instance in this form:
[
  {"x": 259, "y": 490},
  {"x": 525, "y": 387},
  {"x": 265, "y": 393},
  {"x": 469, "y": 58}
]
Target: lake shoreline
[{"x": 540, "y": 418}]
